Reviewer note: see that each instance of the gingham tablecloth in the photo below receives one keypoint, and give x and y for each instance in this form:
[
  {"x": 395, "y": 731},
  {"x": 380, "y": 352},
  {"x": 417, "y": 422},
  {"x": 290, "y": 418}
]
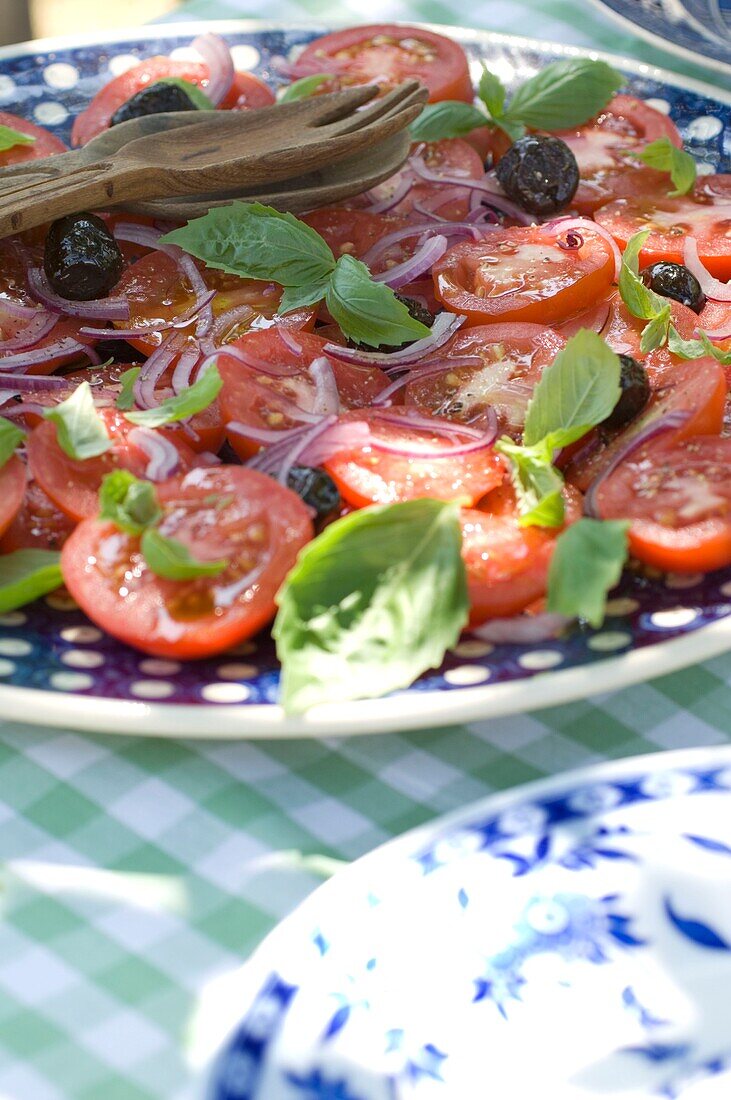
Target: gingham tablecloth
[{"x": 136, "y": 875}]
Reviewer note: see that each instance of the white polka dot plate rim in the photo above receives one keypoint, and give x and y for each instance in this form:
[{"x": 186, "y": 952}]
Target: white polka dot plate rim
[
  {"x": 583, "y": 935},
  {"x": 56, "y": 668}
]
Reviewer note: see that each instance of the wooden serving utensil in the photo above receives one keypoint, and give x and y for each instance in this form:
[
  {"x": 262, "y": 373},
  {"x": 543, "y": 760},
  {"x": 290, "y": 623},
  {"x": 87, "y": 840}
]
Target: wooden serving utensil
[{"x": 230, "y": 153}]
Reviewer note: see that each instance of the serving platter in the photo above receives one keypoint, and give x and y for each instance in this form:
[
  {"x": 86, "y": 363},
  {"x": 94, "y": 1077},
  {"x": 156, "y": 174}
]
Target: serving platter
[
  {"x": 57, "y": 668},
  {"x": 570, "y": 939}
]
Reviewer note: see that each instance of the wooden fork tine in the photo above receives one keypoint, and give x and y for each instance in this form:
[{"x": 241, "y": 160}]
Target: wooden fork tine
[
  {"x": 404, "y": 96},
  {"x": 324, "y": 110}
]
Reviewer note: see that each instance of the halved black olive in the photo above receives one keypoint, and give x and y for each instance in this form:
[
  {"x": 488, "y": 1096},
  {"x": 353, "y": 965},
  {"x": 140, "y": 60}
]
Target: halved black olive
[
  {"x": 154, "y": 100},
  {"x": 675, "y": 281},
  {"x": 635, "y": 393},
  {"x": 539, "y": 173},
  {"x": 81, "y": 259},
  {"x": 316, "y": 488}
]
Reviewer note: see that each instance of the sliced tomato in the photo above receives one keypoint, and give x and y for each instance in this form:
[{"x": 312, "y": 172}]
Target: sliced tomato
[
  {"x": 371, "y": 475},
  {"x": 227, "y": 513},
  {"x": 507, "y": 565},
  {"x": 522, "y": 275},
  {"x": 73, "y": 484},
  {"x": 508, "y": 361},
  {"x": 678, "y": 499},
  {"x": 12, "y": 490},
  {"x": 266, "y": 400},
  {"x": 705, "y": 215},
  {"x": 38, "y": 524},
  {"x": 246, "y": 91},
  {"x": 697, "y": 390},
  {"x": 451, "y": 157},
  {"x": 623, "y": 333},
  {"x": 356, "y": 231},
  {"x": 385, "y": 54},
  {"x": 45, "y": 144}
]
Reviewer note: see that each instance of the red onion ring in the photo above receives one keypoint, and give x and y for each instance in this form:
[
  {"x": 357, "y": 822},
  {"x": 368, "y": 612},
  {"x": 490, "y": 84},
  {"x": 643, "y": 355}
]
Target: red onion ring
[
  {"x": 184, "y": 368},
  {"x": 65, "y": 348},
  {"x": 327, "y": 398},
  {"x": 712, "y": 288},
  {"x": 382, "y": 246},
  {"x": 107, "y": 309},
  {"x": 426, "y": 370},
  {"x": 594, "y": 319},
  {"x": 289, "y": 340},
  {"x": 181, "y": 321},
  {"x": 17, "y": 309},
  {"x": 224, "y": 324},
  {"x": 399, "y": 193},
  {"x": 522, "y": 629},
  {"x": 479, "y": 441},
  {"x": 39, "y": 326},
  {"x": 163, "y": 454},
  {"x": 37, "y": 383},
  {"x": 444, "y": 327},
  {"x": 573, "y": 241},
  {"x": 416, "y": 265},
  {"x": 492, "y": 193},
  {"x": 564, "y": 225},
  {"x": 24, "y": 407},
  {"x": 154, "y": 368},
  {"x": 217, "y": 57}
]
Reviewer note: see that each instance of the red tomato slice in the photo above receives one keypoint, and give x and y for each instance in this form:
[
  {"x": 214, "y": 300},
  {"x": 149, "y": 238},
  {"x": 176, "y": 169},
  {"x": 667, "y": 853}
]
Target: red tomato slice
[
  {"x": 223, "y": 513},
  {"x": 37, "y": 525},
  {"x": 450, "y": 157},
  {"x": 698, "y": 388},
  {"x": 246, "y": 91},
  {"x": 264, "y": 401},
  {"x": 678, "y": 498},
  {"x": 44, "y": 144},
  {"x": 12, "y": 491},
  {"x": 507, "y": 565},
  {"x": 369, "y": 475},
  {"x": 356, "y": 231},
  {"x": 623, "y": 334},
  {"x": 705, "y": 215},
  {"x": 522, "y": 275},
  {"x": 386, "y": 54},
  {"x": 73, "y": 485},
  {"x": 509, "y": 359}
]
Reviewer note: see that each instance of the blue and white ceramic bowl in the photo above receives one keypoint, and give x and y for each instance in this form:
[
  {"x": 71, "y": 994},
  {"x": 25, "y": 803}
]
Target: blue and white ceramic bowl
[
  {"x": 569, "y": 940},
  {"x": 57, "y": 668},
  {"x": 697, "y": 30}
]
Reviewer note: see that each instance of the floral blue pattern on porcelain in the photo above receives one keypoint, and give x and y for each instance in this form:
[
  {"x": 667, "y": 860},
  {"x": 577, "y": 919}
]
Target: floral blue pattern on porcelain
[
  {"x": 569, "y": 943},
  {"x": 699, "y": 28}
]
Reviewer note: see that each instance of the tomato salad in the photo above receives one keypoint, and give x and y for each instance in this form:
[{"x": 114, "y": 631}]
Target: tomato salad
[{"x": 465, "y": 399}]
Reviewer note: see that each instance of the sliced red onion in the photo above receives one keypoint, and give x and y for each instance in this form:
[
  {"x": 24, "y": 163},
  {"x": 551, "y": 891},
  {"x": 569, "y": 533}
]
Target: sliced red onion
[
  {"x": 39, "y": 326},
  {"x": 426, "y": 370},
  {"x": 184, "y": 368},
  {"x": 327, "y": 398},
  {"x": 107, "y": 309},
  {"x": 217, "y": 57},
  {"x": 154, "y": 368},
  {"x": 181, "y": 321},
  {"x": 61, "y": 349},
  {"x": 572, "y": 241},
  {"x": 712, "y": 288},
  {"x": 8, "y": 395},
  {"x": 594, "y": 319},
  {"x": 582, "y": 225},
  {"x": 289, "y": 340},
  {"x": 722, "y": 333},
  {"x": 284, "y": 404},
  {"x": 17, "y": 309},
  {"x": 22, "y": 409},
  {"x": 382, "y": 206},
  {"x": 382, "y": 246},
  {"x": 478, "y": 441},
  {"x": 143, "y": 235},
  {"x": 38, "y": 383},
  {"x": 444, "y": 327},
  {"x": 163, "y": 454},
  {"x": 224, "y": 324},
  {"x": 416, "y": 265},
  {"x": 522, "y": 629},
  {"x": 491, "y": 191},
  {"x": 661, "y": 424},
  {"x": 339, "y": 437},
  {"x": 278, "y": 460}
]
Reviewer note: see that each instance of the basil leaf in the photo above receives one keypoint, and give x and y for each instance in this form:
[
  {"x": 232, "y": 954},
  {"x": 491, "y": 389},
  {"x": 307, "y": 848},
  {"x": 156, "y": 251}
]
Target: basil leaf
[
  {"x": 191, "y": 401},
  {"x": 578, "y": 390},
  {"x": 80, "y": 430},
  {"x": 9, "y": 138},
  {"x": 27, "y": 574},
  {"x": 666, "y": 157},
  {"x": 126, "y": 399},
  {"x": 303, "y": 88},
  {"x": 536, "y": 482},
  {"x": 372, "y": 603},
  {"x": 639, "y": 299},
  {"x": 492, "y": 93},
  {"x": 257, "y": 242},
  {"x": 195, "y": 94},
  {"x": 366, "y": 311},
  {"x": 299, "y": 297},
  {"x": 10, "y": 437},
  {"x": 587, "y": 562},
  {"x": 696, "y": 349},
  {"x": 564, "y": 93},
  {"x": 172, "y": 560},
  {"x": 128, "y": 502},
  {"x": 655, "y": 332},
  {"x": 449, "y": 119}
]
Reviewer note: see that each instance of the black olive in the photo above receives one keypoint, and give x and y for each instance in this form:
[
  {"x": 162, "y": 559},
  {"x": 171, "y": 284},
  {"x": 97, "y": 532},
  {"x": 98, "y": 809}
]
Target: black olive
[
  {"x": 539, "y": 173},
  {"x": 315, "y": 488},
  {"x": 154, "y": 100},
  {"x": 634, "y": 395},
  {"x": 118, "y": 350},
  {"x": 675, "y": 281},
  {"x": 82, "y": 259}
]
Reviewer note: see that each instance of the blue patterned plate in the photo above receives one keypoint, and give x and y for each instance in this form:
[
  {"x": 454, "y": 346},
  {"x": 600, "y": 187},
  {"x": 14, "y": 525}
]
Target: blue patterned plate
[
  {"x": 56, "y": 668},
  {"x": 698, "y": 30},
  {"x": 568, "y": 940}
]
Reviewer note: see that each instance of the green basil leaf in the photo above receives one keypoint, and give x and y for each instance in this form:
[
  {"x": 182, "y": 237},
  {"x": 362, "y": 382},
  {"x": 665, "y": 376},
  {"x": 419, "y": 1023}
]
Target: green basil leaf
[
  {"x": 27, "y": 574},
  {"x": 80, "y": 430},
  {"x": 536, "y": 482},
  {"x": 639, "y": 299},
  {"x": 564, "y": 93},
  {"x": 191, "y": 401},
  {"x": 366, "y": 311},
  {"x": 302, "y": 89},
  {"x": 655, "y": 332},
  {"x": 449, "y": 119},
  {"x": 257, "y": 242},
  {"x": 126, "y": 399},
  {"x": 10, "y": 438},
  {"x": 576, "y": 392},
  {"x": 372, "y": 603},
  {"x": 9, "y": 138},
  {"x": 128, "y": 502},
  {"x": 666, "y": 157},
  {"x": 492, "y": 93},
  {"x": 587, "y": 562},
  {"x": 696, "y": 349},
  {"x": 195, "y": 94},
  {"x": 299, "y": 297},
  {"x": 172, "y": 560}
]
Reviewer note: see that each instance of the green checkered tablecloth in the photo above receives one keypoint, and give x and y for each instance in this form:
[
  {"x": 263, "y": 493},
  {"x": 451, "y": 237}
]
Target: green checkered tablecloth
[{"x": 136, "y": 875}]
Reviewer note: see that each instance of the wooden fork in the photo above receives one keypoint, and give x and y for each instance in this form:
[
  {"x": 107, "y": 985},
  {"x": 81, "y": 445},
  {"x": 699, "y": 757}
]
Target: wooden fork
[{"x": 226, "y": 153}]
